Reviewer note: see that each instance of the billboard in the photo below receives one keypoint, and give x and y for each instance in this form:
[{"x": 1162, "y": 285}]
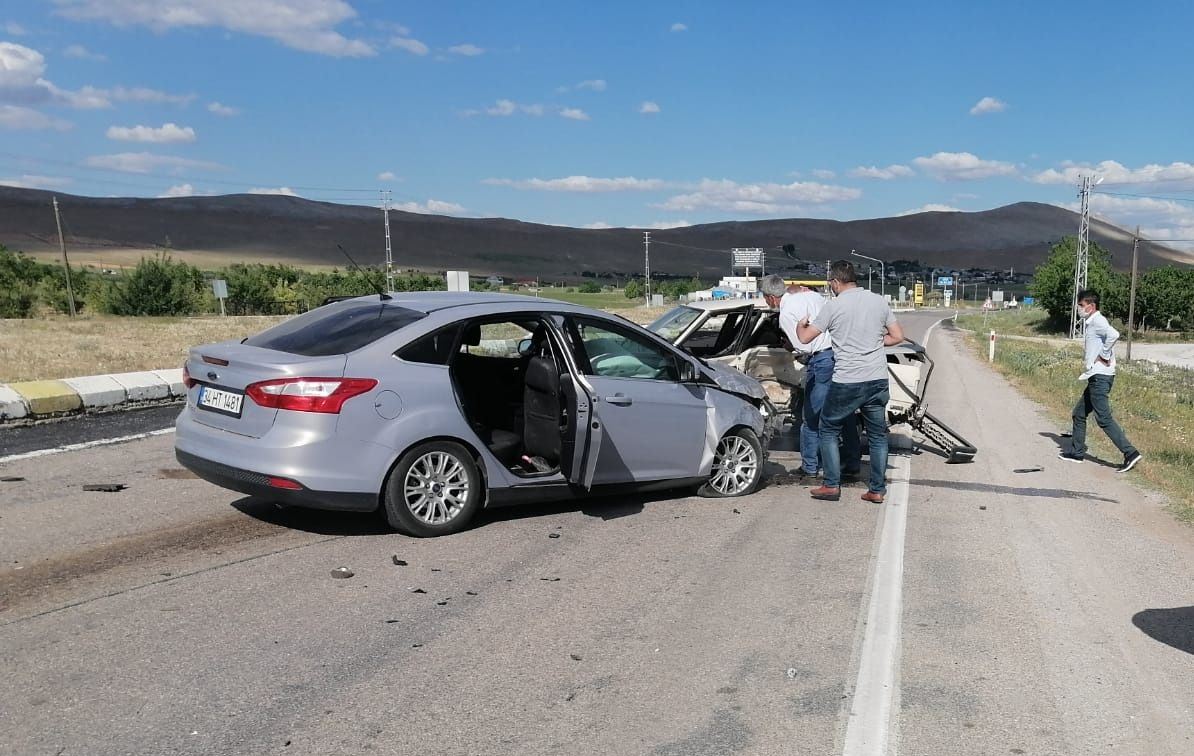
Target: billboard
[{"x": 751, "y": 257}]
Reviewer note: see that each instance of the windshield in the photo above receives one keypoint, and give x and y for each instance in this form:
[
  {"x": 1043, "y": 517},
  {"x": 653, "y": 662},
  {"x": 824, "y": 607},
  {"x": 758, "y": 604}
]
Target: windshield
[{"x": 674, "y": 322}]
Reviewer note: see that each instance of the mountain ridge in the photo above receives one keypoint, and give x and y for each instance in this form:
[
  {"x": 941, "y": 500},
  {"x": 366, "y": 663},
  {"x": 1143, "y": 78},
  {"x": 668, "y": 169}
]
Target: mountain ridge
[{"x": 277, "y": 228}]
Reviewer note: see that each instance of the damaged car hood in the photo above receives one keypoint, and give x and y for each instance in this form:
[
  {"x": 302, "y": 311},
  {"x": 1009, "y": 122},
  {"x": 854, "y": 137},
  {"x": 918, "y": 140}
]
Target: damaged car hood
[{"x": 733, "y": 380}]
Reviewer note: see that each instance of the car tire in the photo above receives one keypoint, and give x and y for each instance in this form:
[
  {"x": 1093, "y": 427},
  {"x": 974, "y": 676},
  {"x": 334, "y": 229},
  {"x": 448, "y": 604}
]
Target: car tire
[
  {"x": 737, "y": 465},
  {"x": 434, "y": 490}
]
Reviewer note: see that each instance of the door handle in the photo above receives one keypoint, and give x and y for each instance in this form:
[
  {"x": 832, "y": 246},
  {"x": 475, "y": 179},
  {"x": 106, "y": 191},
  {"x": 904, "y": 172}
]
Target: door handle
[{"x": 619, "y": 399}]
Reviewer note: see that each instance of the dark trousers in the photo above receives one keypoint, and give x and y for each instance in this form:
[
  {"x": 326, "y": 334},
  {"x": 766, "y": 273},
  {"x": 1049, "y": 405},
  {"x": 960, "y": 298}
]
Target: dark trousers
[
  {"x": 870, "y": 397},
  {"x": 1097, "y": 399}
]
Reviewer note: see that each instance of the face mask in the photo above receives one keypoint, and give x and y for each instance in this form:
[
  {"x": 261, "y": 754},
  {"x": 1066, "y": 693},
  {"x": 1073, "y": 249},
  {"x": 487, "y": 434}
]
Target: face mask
[{"x": 1086, "y": 311}]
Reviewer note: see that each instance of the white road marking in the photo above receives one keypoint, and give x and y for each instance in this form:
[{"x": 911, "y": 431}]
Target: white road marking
[
  {"x": 85, "y": 445},
  {"x": 874, "y": 722},
  {"x": 872, "y": 725}
]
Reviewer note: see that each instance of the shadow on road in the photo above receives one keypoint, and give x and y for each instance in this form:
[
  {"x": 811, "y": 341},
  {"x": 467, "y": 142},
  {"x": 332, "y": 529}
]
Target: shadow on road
[
  {"x": 1173, "y": 627},
  {"x": 314, "y": 520},
  {"x": 1063, "y": 444},
  {"x": 1044, "y": 493}
]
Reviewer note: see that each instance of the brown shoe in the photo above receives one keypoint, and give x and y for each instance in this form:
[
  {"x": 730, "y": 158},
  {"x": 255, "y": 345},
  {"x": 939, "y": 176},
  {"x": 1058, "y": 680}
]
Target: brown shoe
[
  {"x": 872, "y": 497},
  {"x": 825, "y": 493}
]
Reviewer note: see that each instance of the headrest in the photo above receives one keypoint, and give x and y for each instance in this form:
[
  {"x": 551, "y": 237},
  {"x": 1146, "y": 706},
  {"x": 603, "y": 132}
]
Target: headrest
[{"x": 472, "y": 334}]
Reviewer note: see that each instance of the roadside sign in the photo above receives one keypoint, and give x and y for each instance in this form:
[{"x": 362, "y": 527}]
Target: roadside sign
[
  {"x": 988, "y": 305},
  {"x": 219, "y": 287},
  {"x": 918, "y": 293},
  {"x": 945, "y": 280},
  {"x": 1029, "y": 300}
]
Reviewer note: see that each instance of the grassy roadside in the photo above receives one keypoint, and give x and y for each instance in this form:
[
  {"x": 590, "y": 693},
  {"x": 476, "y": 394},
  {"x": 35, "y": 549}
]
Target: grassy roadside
[
  {"x": 1034, "y": 322},
  {"x": 1153, "y": 403},
  {"x": 62, "y": 347}
]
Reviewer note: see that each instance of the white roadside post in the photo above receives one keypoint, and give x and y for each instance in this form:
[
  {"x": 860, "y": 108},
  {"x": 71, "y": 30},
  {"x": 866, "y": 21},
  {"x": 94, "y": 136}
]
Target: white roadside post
[
  {"x": 991, "y": 351},
  {"x": 219, "y": 287}
]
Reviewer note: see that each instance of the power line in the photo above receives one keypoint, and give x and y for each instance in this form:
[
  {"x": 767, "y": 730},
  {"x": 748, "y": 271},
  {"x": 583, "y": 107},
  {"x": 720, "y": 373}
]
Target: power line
[{"x": 1146, "y": 196}]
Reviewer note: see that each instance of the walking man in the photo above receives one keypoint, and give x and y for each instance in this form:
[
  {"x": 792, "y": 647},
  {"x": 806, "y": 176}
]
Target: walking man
[
  {"x": 800, "y": 303},
  {"x": 1098, "y": 370},
  {"x": 860, "y": 324}
]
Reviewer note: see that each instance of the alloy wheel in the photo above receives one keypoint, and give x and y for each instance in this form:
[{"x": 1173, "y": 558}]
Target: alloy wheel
[
  {"x": 734, "y": 467},
  {"x": 436, "y": 487}
]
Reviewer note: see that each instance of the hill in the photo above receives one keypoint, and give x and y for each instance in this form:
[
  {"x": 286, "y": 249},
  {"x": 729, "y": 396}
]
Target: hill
[{"x": 213, "y": 231}]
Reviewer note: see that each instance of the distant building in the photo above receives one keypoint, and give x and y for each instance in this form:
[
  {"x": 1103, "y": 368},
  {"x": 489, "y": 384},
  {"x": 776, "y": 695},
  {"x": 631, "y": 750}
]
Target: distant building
[{"x": 495, "y": 281}]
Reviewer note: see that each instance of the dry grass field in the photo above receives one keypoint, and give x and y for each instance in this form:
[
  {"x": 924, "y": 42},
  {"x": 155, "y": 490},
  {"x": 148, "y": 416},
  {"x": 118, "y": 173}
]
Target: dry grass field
[{"x": 62, "y": 347}]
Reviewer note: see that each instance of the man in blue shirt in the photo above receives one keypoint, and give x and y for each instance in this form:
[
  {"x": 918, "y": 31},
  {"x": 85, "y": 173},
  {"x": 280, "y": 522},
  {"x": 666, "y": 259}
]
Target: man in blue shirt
[{"x": 1098, "y": 370}]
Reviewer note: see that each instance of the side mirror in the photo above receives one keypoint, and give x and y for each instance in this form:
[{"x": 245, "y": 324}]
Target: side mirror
[
  {"x": 525, "y": 346},
  {"x": 688, "y": 372}
]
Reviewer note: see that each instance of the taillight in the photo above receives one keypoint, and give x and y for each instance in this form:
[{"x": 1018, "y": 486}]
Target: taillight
[
  {"x": 187, "y": 380},
  {"x": 308, "y": 394}
]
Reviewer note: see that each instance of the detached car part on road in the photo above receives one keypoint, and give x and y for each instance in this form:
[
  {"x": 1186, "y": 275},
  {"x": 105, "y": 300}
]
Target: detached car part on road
[
  {"x": 746, "y": 335},
  {"x": 436, "y": 404}
]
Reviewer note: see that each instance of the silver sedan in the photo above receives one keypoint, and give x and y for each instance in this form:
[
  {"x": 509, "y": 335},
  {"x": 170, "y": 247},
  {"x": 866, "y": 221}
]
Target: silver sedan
[{"x": 433, "y": 405}]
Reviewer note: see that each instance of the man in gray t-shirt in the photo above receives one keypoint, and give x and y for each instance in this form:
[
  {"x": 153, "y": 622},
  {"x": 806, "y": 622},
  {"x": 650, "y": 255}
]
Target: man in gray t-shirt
[{"x": 860, "y": 324}]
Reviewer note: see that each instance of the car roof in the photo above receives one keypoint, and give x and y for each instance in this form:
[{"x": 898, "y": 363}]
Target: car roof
[
  {"x": 430, "y": 301},
  {"x": 720, "y": 305}
]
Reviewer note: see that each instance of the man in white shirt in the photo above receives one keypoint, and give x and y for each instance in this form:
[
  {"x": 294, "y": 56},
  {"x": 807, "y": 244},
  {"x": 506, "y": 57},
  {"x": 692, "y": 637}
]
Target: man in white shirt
[
  {"x": 1098, "y": 370},
  {"x": 817, "y": 358}
]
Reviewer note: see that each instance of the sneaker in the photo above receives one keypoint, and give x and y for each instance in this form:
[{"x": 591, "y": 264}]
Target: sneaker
[
  {"x": 1130, "y": 462},
  {"x": 1071, "y": 457}
]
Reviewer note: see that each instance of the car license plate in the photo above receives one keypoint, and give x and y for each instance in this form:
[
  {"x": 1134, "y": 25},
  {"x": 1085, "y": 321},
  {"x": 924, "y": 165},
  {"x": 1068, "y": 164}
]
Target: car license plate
[{"x": 220, "y": 400}]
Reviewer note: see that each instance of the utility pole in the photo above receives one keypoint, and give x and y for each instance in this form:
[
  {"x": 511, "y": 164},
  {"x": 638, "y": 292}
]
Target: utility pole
[
  {"x": 647, "y": 261},
  {"x": 385, "y": 205},
  {"x": 1132, "y": 293},
  {"x": 70, "y": 292},
  {"x": 1081, "y": 261}
]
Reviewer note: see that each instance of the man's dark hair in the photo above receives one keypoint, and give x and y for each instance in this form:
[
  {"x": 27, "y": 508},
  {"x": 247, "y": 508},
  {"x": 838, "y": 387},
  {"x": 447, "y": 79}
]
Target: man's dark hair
[
  {"x": 842, "y": 271},
  {"x": 1089, "y": 295}
]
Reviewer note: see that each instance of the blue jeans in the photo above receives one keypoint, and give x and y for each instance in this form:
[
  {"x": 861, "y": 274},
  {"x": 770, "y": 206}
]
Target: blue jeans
[
  {"x": 843, "y": 401},
  {"x": 1097, "y": 399},
  {"x": 818, "y": 373}
]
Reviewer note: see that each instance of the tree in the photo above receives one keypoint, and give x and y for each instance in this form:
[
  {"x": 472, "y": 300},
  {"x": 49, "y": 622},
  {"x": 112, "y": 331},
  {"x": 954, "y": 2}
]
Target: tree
[
  {"x": 589, "y": 287},
  {"x": 157, "y": 286},
  {"x": 1165, "y": 295},
  {"x": 634, "y": 289},
  {"x": 1053, "y": 281}
]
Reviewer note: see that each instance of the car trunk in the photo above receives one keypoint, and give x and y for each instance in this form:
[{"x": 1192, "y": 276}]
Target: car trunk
[{"x": 223, "y": 371}]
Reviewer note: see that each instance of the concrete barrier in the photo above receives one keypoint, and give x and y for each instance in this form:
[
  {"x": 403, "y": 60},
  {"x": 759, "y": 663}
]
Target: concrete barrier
[
  {"x": 48, "y": 397},
  {"x": 98, "y": 391},
  {"x": 12, "y": 404},
  {"x": 35, "y": 400}
]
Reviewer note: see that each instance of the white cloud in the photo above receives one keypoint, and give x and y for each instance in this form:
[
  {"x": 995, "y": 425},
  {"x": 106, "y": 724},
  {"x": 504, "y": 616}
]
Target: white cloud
[
  {"x": 1173, "y": 177},
  {"x": 932, "y": 207},
  {"x": 596, "y": 226},
  {"x": 411, "y": 45},
  {"x": 94, "y": 97},
  {"x": 594, "y": 85},
  {"x": 221, "y": 109},
  {"x": 584, "y": 184},
  {"x": 432, "y": 207},
  {"x": 759, "y": 199},
  {"x": 179, "y": 190},
  {"x": 284, "y": 191},
  {"x": 467, "y": 50},
  {"x": 664, "y": 225},
  {"x": 144, "y": 162},
  {"x": 575, "y": 114},
  {"x": 23, "y": 82},
  {"x": 387, "y": 176},
  {"x": 883, "y": 174},
  {"x": 508, "y": 108},
  {"x": 17, "y": 117},
  {"x": 648, "y": 107},
  {"x": 962, "y": 166},
  {"x": 82, "y": 53},
  {"x": 167, "y": 133},
  {"x": 307, "y": 25},
  {"x": 14, "y": 29},
  {"x": 1157, "y": 218},
  {"x": 35, "y": 182},
  {"x": 823, "y": 173},
  {"x": 679, "y": 27},
  {"x": 988, "y": 105}
]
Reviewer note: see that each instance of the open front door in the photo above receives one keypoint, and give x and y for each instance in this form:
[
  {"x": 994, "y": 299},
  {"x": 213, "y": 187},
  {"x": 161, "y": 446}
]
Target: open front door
[{"x": 583, "y": 433}]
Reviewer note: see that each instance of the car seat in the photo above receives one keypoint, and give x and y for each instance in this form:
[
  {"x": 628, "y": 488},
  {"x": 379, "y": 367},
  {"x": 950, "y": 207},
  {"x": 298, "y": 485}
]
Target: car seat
[{"x": 541, "y": 409}]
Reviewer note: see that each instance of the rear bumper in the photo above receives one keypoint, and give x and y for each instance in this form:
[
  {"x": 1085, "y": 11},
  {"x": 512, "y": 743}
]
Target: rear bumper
[{"x": 257, "y": 484}]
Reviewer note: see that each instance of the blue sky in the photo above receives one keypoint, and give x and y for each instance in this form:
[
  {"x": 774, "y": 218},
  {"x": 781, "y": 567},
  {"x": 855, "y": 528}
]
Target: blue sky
[{"x": 646, "y": 114}]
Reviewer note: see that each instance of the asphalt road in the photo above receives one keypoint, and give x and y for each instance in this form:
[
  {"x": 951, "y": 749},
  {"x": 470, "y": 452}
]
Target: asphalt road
[{"x": 979, "y": 611}]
